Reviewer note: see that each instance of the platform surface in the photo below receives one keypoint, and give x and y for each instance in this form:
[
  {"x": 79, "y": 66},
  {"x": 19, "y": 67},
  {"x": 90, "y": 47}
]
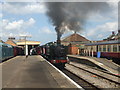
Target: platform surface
[
  {"x": 102, "y": 62},
  {"x": 33, "y": 72}
]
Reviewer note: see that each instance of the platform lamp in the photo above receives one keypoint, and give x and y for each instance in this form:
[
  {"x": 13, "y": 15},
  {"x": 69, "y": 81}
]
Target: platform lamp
[{"x": 25, "y": 37}]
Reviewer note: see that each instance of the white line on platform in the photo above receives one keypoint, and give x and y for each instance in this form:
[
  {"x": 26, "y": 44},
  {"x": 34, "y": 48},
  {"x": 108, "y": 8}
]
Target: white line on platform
[{"x": 78, "y": 86}]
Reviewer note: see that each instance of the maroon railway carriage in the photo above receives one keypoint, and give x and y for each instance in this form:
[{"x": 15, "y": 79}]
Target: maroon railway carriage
[
  {"x": 18, "y": 50},
  {"x": 108, "y": 49},
  {"x": 38, "y": 50}
]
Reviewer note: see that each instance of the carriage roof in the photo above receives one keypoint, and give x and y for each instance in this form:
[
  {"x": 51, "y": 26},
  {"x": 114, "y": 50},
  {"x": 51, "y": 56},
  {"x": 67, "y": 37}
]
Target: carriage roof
[
  {"x": 4, "y": 44},
  {"x": 104, "y": 43}
]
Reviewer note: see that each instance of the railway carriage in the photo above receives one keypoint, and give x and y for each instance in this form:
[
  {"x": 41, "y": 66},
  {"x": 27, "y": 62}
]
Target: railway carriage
[
  {"x": 18, "y": 50},
  {"x": 38, "y": 50},
  {"x": 108, "y": 49},
  {"x": 6, "y": 51}
]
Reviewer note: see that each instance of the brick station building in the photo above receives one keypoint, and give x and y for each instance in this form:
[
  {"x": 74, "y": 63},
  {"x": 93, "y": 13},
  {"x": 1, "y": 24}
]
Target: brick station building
[{"x": 75, "y": 43}]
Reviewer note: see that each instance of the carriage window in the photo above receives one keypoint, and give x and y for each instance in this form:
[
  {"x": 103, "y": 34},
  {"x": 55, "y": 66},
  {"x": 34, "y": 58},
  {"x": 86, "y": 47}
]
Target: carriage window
[
  {"x": 114, "y": 48},
  {"x": 119, "y": 48},
  {"x": 100, "y": 49},
  {"x": 91, "y": 47},
  {"x": 104, "y": 48},
  {"x": 94, "y": 47},
  {"x": 109, "y": 48}
]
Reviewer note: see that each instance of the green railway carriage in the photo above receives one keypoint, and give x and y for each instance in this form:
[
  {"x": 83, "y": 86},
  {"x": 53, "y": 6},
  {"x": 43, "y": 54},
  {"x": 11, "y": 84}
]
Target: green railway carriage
[{"x": 6, "y": 51}]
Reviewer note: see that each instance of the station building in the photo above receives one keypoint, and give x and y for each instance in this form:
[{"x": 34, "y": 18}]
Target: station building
[
  {"x": 11, "y": 41},
  {"x": 113, "y": 36},
  {"x": 76, "y": 43},
  {"x": 2, "y": 41},
  {"x": 28, "y": 45}
]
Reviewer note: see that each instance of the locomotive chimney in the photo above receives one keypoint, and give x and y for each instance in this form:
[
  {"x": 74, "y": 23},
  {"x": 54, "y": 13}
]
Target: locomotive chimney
[{"x": 58, "y": 36}]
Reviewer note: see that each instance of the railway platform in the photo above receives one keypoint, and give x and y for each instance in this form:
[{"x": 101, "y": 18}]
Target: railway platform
[
  {"x": 101, "y": 62},
  {"x": 33, "y": 72}
]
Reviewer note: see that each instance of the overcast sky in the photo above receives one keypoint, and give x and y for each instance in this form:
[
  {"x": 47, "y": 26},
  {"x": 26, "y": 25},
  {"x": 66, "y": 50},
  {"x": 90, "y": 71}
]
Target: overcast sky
[{"x": 29, "y": 18}]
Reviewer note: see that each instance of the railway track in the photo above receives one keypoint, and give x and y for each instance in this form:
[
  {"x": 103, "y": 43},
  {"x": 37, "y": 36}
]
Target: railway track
[
  {"x": 83, "y": 83},
  {"x": 98, "y": 78},
  {"x": 101, "y": 71}
]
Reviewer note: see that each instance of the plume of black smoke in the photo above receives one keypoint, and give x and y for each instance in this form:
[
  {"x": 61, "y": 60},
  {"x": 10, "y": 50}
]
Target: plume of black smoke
[{"x": 73, "y": 15}]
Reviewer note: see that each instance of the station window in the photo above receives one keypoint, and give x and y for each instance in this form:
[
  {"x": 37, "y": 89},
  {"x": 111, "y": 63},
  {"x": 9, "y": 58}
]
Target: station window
[
  {"x": 104, "y": 48},
  {"x": 114, "y": 48},
  {"x": 109, "y": 48}
]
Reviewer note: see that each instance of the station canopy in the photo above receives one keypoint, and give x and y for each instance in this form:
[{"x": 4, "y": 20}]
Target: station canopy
[{"x": 28, "y": 42}]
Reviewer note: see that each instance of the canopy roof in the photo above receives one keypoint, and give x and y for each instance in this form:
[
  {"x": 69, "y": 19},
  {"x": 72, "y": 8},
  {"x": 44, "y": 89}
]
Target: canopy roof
[{"x": 28, "y": 43}]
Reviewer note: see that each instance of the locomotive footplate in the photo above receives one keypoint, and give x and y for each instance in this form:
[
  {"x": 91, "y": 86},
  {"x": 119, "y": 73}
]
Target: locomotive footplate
[{"x": 32, "y": 72}]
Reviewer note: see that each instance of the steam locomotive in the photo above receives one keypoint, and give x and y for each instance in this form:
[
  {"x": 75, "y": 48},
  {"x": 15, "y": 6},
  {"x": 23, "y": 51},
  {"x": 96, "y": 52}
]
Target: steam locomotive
[{"x": 54, "y": 53}]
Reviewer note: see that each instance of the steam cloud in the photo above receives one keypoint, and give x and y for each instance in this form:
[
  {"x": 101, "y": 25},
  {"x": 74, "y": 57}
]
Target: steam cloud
[{"x": 73, "y": 15}]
